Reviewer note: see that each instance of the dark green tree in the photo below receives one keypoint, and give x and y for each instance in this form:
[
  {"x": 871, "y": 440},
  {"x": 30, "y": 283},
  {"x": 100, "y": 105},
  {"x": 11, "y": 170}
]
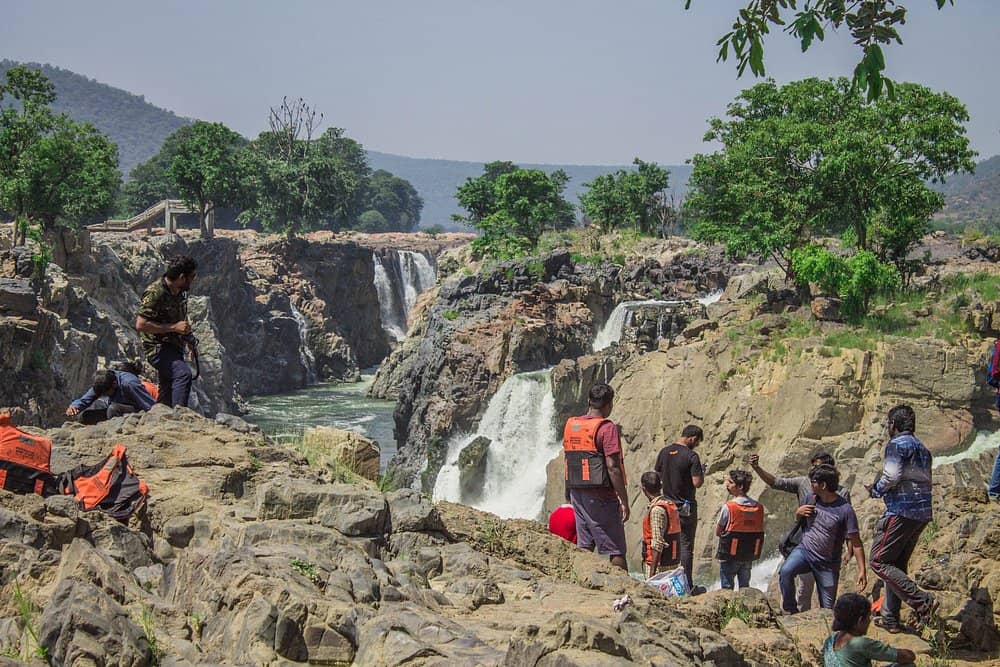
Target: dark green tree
[
  {"x": 53, "y": 171},
  {"x": 814, "y": 157},
  {"x": 871, "y": 23},
  {"x": 511, "y": 207},
  {"x": 395, "y": 199},
  {"x": 204, "y": 170},
  {"x": 635, "y": 198},
  {"x": 148, "y": 182}
]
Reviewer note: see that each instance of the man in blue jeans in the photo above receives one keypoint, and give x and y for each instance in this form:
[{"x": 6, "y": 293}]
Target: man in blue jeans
[
  {"x": 162, "y": 323},
  {"x": 830, "y": 520}
]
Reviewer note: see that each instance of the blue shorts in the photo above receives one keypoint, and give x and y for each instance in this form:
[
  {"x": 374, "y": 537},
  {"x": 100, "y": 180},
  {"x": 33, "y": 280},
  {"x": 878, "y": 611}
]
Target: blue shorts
[{"x": 598, "y": 522}]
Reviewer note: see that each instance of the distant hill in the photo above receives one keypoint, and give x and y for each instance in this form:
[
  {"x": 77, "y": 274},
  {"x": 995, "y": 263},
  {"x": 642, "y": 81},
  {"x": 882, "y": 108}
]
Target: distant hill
[
  {"x": 436, "y": 180},
  {"x": 973, "y": 200},
  {"x": 137, "y": 126}
]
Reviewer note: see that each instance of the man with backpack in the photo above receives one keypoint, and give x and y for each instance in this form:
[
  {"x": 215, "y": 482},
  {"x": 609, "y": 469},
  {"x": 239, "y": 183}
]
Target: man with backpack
[{"x": 801, "y": 486}]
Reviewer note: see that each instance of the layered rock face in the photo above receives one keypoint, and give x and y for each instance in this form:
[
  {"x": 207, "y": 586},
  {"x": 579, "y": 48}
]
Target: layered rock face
[
  {"x": 271, "y": 314},
  {"x": 479, "y": 329}
]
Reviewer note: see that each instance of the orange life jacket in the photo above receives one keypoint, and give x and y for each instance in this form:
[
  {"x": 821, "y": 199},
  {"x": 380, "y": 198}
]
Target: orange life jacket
[
  {"x": 743, "y": 537},
  {"x": 668, "y": 556},
  {"x": 584, "y": 463},
  {"x": 152, "y": 389},
  {"x": 111, "y": 485},
  {"x": 24, "y": 460}
]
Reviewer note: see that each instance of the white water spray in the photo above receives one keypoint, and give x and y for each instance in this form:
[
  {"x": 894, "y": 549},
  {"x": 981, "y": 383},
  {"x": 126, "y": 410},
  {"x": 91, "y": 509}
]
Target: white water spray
[
  {"x": 709, "y": 299},
  {"x": 760, "y": 574},
  {"x": 400, "y": 277},
  {"x": 518, "y": 421},
  {"x": 612, "y": 330},
  {"x": 984, "y": 442},
  {"x": 305, "y": 354}
]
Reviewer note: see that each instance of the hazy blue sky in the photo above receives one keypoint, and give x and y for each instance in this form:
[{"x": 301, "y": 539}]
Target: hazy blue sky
[{"x": 581, "y": 81}]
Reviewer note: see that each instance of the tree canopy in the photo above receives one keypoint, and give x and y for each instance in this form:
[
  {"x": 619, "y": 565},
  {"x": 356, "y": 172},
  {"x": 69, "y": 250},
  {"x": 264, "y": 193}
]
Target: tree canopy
[
  {"x": 871, "y": 23},
  {"x": 512, "y": 206},
  {"x": 629, "y": 198},
  {"x": 53, "y": 171},
  {"x": 813, "y": 157},
  {"x": 204, "y": 170}
]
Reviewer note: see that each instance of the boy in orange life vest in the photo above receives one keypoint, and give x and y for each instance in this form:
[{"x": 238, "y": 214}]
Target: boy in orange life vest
[
  {"x": 595, "y": 477},
  {"x": 661, "y": 528},
  {"x": 740, "y": 530}
]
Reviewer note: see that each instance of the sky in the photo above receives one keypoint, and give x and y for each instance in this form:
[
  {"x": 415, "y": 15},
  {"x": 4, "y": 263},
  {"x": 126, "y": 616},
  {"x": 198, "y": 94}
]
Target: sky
[{"x": 535, "y": 81}]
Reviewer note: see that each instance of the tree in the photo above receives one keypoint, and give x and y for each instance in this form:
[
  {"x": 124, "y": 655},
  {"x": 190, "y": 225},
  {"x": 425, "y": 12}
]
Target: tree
[
  {"x": 296, "y": 182},
  {"x": 53, "y": 171},
  {"x": 395, "y": 199},
  {"x": 635, "y": 198},
  {"x": 814, "y": 157},
  {"x": 204, "y": 169},
  {"x": 148, "y": 183},
  {"x": 511, "y": 207},
  {"x": 870, "y": 22}
]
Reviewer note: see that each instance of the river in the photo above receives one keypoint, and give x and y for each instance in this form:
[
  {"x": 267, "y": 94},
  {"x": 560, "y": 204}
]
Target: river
[{"x": 341, "y": 405}]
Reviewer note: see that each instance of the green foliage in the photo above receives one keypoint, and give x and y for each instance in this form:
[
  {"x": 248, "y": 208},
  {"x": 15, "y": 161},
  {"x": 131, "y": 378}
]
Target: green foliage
[
  {"x": 148, "y": 624},
  {"x": 27, "y": 613},
  {"x": 734, "y": 608},
  {"x": 511, "y": 207},
  {"x": 54, "y": 171},
  {"x": 871, "y": 23},
  {"x": 306, "y": 569},
  {"x": 204, "y": 169},
  {"x": 395, "y": 199},
  {"x": 388, "y": 482},
  {"x": 451, "y": 315},
  {"x": 372, "y": 222},
  {"x": 856, "y": 279},
  {"x": 636, "y": 198},
  {"x": 813, "y": 157},
  {"x": 433, "y": 230}
]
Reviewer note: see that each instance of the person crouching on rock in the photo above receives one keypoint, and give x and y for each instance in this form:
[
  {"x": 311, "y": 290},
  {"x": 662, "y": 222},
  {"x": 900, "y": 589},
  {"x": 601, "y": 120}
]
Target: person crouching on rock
[
  {"x": 848, "y": 645},
  {"x": 113, "y": 393},
  {"x": 595, "y": 477},
  {"x": 661, "y": 528},
  {"x": 829, "y": 521},
  {"x": 162, "y": 322},
  {"x": 740, "y": 530}
]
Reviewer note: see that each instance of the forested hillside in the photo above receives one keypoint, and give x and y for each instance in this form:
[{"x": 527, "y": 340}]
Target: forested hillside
[
  {"x": 137, "y": 126},
  {"x": 973, "y": 200}
]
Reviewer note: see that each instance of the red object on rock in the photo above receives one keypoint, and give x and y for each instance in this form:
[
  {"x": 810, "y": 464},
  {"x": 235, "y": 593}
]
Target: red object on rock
[{"x": 562, "y": 522}]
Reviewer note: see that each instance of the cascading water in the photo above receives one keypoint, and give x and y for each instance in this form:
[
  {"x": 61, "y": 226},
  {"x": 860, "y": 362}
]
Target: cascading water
[
  {"x": 709, "y": 299},
  {"x": 984, "y": 442},
  {"x": 612, "y": 330},
  {"x": 305, "y": 354},
  {"x": 518, "y": 421},
  {"x": 400, "y": 277}
]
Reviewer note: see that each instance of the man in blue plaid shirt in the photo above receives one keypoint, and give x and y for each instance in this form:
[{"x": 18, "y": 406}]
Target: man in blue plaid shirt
[{"x": 905, "y": 485}]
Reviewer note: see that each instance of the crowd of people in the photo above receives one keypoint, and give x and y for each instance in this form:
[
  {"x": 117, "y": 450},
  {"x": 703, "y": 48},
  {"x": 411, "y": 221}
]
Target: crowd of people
[{"x": 824, "y": 535}]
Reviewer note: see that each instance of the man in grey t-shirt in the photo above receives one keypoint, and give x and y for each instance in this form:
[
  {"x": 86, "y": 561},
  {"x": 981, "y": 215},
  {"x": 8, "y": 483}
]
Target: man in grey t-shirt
[
  {"x": 802, "y": 488},
  {"x": 829, "y": 522}
]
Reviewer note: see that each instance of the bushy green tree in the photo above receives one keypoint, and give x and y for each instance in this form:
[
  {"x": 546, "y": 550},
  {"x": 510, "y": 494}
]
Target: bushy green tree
[
  {"x": 395, "y": 199},
  {"x": 629, "y": 198},
  {"x": 148, "y": 182},
  {"x": 814, "y": 157},
  {"x": 856, "y": 278},
  {"x": 52, "y": 171},
  {"x": 511, "y": 207},
  {"x": 871, "y": 23},
  {"x": 204, "y": 170}
]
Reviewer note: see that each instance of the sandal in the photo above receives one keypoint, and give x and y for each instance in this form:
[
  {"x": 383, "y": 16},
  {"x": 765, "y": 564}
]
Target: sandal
[{"x": 892, "y": 627}]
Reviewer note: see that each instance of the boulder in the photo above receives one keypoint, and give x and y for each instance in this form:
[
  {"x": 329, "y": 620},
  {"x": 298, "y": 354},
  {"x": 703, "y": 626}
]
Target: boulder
[
  {"x": 472, "y": 467},
  {"x": 352, "y": 450},
  {"x": 826, "y": 309},
  {"x": 17, "y": 296}
]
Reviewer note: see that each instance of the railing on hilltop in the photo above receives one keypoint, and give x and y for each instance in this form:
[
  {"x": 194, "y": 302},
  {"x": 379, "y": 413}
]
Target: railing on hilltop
[{"x": 166, "y": 208}]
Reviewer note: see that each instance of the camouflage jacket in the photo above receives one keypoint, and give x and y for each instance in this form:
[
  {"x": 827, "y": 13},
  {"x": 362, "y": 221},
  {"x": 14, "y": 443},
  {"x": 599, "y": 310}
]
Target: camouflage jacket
[{"x": 162, "y": 307}]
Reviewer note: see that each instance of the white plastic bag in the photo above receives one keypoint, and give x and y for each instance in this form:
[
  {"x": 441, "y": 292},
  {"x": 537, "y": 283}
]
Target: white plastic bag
[{"x": 671, "y": 584}]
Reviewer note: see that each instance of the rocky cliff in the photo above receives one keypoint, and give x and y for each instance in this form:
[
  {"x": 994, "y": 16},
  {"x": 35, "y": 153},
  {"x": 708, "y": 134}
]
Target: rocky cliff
[
  {"x": 479, "y": 328},
  {"x": 271, "y": 314}
]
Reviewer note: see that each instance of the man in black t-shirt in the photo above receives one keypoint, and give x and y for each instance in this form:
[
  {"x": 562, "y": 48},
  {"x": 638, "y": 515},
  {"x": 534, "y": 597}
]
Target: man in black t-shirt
[{"x": 681, "y": 471}]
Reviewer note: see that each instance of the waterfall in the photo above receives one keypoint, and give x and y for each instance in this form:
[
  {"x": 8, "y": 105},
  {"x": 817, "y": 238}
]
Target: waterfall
[
  {"x": 305, "y": 354},
  {"x": 760, "y": 575},
  {"x": 400, "y": 277},
  {"x": 711, "y": 298},
  {"x": 612, "y": 330},
  {"x": 518, "y": 421},
  {"x": 984, "y": 442}
]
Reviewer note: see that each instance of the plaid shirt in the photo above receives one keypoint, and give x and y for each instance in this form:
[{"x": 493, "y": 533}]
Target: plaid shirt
[
  {"x": 657, "y": 528},
  {"x": 905, "y": 483}
]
